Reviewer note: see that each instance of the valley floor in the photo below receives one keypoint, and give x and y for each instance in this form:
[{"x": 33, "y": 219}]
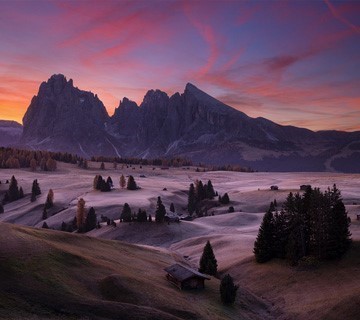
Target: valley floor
[{"x": 268, "y": 291}]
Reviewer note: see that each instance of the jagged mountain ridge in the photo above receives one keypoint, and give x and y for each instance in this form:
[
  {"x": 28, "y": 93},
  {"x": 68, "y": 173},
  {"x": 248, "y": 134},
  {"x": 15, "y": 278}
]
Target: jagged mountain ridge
[{"x": 192, "y": 124}]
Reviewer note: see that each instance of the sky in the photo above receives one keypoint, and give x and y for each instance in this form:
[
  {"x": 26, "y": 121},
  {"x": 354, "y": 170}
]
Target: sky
[{"x": 293, "y": 62}]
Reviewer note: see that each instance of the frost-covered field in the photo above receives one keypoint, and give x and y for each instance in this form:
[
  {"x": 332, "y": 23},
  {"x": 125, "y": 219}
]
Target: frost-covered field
[
  {"x": 249, "y": 193},
  {"x": 232, "y": 234}
]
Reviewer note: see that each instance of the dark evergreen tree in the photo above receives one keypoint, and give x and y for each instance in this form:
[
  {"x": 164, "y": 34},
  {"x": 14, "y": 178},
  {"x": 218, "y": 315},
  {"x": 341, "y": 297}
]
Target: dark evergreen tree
[
  {"x": 44, "y": 214},
  {"x": 49, "y": 199},
  {"x": 142, "y": 216},
  {"x": 208, "y": 262},
  {"x": 191, "y": 199},
  {"x": 105, "y": 186},
  {"x": 102, "y": 166},
  {"x": 210, "y": 192},
  {"x": 339, "y": 235},
  {"x": 1, "y": 208},
  {"x": 80, "y": 215},
  {"x": 225, "y": 199},
  {"x": 318, "y": 224},
  {"x": 172, "y": 207},
  {"x": 126, "y": 213},
  {"x": 263, "y": 247},
  {"x": 131, "y": 184},
  {"x": 64, "y": 226},
  {"x": 228, "y": 290},
  {"x": 160, "y": 211},
  {"x": 200, "y": 191},
  {"x": 98, "y": 181},
  {"x": 90, "y": 220},
  {"x": 45, "y": 226},
  {"x": 13, "y": 193},
  {"x": 35, "y": 190},
  {"x": 109, "y": 182},
  {"x": 33, "y": 197},
  {"x": 293, "y": 246},
  {"x": 150, "y": 218},
  {"x": 281, "y": 235},
  {"x": 21, "y": 193}
]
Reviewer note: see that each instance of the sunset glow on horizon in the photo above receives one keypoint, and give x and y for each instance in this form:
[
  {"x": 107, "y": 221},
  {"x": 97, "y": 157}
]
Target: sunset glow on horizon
[{"x": 292, "y": 62}]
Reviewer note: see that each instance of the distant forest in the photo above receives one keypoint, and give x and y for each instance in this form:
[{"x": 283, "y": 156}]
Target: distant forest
[{"x": 46, "y": 161}]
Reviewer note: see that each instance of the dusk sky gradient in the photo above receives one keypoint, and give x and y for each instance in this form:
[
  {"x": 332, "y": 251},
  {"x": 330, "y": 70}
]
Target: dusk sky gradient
[{"x": 293, "y": 62}]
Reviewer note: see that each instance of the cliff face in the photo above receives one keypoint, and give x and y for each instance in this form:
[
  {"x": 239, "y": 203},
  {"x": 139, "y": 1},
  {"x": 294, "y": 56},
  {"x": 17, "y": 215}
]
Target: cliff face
[
  {"x": 192, "y": 124},
  {"x": 62, "y": 117}
]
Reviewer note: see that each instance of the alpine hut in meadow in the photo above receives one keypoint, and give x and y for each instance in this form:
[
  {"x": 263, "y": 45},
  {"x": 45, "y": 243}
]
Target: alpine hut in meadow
[{"x": 185, "y": 278}]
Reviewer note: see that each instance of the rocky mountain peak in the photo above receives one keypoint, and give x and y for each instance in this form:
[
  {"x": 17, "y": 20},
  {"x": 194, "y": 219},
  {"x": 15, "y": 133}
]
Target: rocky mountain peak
[
  {"x": 55, "y": 85},
  {"x": 126, "y": 106},
  {"x": 63, "y": 115},
  {"x": 155, "y": 95},
  {"x": 190, "y": 87}
]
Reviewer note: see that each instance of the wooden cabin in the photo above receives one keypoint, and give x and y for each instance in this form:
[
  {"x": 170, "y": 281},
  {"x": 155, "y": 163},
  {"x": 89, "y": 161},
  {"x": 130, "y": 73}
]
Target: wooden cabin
[{"x": 185, "y": 278}]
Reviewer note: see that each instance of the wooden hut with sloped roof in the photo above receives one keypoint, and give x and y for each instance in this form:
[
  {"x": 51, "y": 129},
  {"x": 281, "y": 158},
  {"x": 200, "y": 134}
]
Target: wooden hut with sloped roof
[{"x": 185, "y": 277}]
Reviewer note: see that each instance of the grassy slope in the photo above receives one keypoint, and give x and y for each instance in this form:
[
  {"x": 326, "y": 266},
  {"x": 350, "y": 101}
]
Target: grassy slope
[
  {"x": 328, "y": 292},
  {"x": 58, "y": 275}
]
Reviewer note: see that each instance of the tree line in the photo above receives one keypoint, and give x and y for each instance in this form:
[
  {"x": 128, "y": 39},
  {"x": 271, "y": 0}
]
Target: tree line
[
  {"x": 314, "y": 224},
  {"x": 198, "y": 194},
  {"x": 44, "y": 160},
  {"x": 107, "y": 185},
  {"x": 168, "y": 162}
]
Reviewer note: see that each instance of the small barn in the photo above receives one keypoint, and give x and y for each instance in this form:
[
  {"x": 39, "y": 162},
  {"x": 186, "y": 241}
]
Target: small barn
[{"x": 185, "y": 277}]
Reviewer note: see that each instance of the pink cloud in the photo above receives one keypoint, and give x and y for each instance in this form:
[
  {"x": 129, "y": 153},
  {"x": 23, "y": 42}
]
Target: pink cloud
[{"x": 337, "y": 15}]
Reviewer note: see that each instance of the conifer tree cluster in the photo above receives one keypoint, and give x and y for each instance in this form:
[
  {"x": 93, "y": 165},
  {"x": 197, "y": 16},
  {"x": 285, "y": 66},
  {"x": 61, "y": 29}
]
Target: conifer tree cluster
[
  {"x": 208, "y": 262},
  {"x": 83, "y": 221},
  {"x": 102, "y": 185},
  {"x": 14, "y": 193},
  {"x": 198, "y": 193},
  {"x": 224, "y": 199},
  {"x": 314, "y": 224},
  {"x": 141, "y": 216}
]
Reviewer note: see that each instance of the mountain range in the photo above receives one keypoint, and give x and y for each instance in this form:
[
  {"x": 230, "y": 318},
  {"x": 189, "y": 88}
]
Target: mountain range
[{"x": 193, "y": 124}]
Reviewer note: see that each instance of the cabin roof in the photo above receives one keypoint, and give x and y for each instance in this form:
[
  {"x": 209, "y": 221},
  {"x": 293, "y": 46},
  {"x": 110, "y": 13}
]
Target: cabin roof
[{"x": 181, "y": 272}]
